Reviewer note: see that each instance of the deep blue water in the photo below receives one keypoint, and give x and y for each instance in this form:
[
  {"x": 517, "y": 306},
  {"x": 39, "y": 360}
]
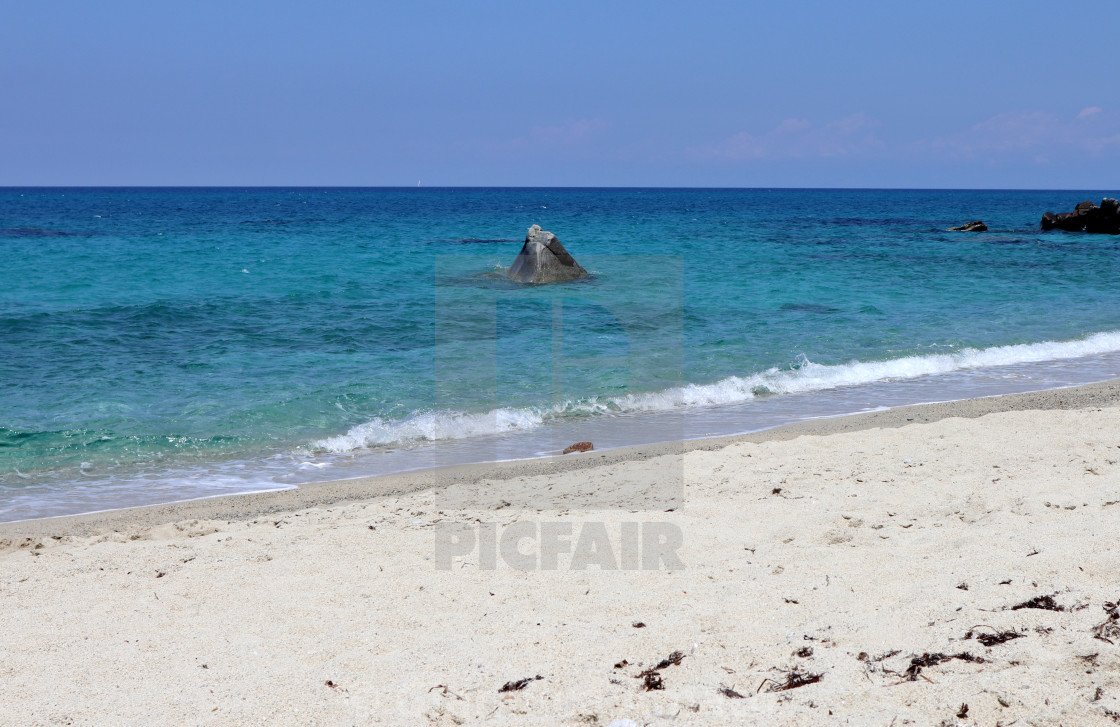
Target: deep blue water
[{"x": 157, "y": 344}]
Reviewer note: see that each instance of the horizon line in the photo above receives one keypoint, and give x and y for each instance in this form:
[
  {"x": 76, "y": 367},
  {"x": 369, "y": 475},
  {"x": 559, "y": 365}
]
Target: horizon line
[{"x": 551, "y": 187}]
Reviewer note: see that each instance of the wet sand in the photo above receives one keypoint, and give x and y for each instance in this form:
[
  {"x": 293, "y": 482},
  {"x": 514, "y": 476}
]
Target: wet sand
[{"x": 240, "y": 507}]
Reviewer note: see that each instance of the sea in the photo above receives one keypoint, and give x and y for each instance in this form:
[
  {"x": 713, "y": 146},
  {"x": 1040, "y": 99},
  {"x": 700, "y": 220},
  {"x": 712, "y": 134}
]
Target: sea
[{"x": 167, "y": 344}]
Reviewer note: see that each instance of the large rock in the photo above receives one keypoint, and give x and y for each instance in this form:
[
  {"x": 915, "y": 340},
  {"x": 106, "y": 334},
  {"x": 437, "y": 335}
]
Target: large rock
[
  {"x": 1107, "y": 218},
  {"x": 544, "y": 260},
  {"x": 977, "y": 226},
  {"x": 1087, "y": 216}
]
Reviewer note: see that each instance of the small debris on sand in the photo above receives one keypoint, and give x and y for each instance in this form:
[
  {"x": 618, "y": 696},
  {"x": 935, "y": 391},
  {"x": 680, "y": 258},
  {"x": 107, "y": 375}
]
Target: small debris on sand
[
  {"x": 1000, "y": 637},
  {"x": 673, "y": 659},
  {"x": 794, "y": 680},
  {"x": 918, "y": 663},
  {"x": 519, "y": 684},
  {"x": 1109, "y": 630},
  {"x": 651, "y": 678},
  {"x": 1045, "y": 603}
]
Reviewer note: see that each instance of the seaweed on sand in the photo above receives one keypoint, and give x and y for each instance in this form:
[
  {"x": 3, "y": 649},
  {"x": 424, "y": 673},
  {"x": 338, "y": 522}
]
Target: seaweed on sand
[
  {"x": 989, "y": 640},
  {"x": 918, "y": 663},
  {"x": 794, "y": 680},
  {"x": 1045, "y": 603},
  {"x": 519, "y": 684}
]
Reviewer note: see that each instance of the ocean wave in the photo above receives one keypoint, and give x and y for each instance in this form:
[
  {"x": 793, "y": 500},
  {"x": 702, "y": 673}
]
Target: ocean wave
[{"x": 803, "y": 376}]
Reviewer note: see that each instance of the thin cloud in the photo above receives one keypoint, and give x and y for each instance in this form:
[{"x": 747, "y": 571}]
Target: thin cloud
[
  {"x": 1033, "y": 132},
  {"x": 800, "y": 139},
  {"x": 570, "y": 133}
]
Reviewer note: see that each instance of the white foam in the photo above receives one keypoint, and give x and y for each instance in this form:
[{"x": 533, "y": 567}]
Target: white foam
[
  {"x": 432, "y": 426},
  {"x": 805, "y": 376}
]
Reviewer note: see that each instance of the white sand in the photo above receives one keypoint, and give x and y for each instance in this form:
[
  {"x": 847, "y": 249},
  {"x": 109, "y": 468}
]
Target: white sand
[{"x": 861, "y": 551}]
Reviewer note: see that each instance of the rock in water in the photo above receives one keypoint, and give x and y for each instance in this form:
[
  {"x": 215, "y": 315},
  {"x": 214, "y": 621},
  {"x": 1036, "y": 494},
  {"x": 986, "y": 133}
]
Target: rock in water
[
  {"x": 1087, "y": 216},
  {"x": 1107, "y": 218},
  {"x": 579, "y": 447},
  {"x": 976, "y": 226},
  {"x": 544, "y": 260}
]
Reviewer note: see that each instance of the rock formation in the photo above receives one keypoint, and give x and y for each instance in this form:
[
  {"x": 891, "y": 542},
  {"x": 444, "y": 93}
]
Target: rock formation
[
  {"x": 544, "y": 260},
  {"x": 976, "y": 226},
  {"x": 1087, "y": 216}
]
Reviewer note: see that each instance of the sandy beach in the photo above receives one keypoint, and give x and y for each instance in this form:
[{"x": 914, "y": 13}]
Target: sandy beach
[{"x": 945, "y": 564}]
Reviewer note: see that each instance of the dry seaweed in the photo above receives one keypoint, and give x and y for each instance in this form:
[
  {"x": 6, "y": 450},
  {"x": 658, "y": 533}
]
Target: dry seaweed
[
  {"x": 673, "y": 659},
  {"x": 730, "y": 693},
  {"x": 1110, "y": 628},
  {"x": 651, "y": 679},
  {"x": 989, "y": 640},
  {"x": 996, "y": 639},
  {"x": 918, "y": 663},
  {"x": 794, "y": 680},
  {"x": 804, "y": 652},
  {"x": 519, "y": 684},
  {"x": 1044, "y": 603},
  {"x": 445, "y": 691}
]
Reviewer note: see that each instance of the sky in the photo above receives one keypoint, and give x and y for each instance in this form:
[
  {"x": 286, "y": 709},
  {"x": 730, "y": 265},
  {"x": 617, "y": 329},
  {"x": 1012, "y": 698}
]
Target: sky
[{"x": 978, "y": 94}]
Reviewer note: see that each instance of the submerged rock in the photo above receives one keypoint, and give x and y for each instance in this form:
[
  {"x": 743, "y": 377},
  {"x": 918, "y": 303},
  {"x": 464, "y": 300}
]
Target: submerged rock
[
  {"x": 544, "y": 260},
  {"x": 976, "y": 226},
  {"x": 1087, "y": 216}
]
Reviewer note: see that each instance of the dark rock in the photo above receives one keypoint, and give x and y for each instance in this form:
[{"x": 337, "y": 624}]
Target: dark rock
[
  {"x": 1087, "y": 216},
  {"x": 580, "y": 447},
  {"x": 1069, "y": 221},
  {"x": 544, "y": 260},
  {"x": 976, "y": 226},
  {"x": 1106, "y": 219}
]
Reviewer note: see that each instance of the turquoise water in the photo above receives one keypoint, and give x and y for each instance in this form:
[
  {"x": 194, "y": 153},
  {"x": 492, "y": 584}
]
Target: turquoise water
[{"x": 158, "y": 344}]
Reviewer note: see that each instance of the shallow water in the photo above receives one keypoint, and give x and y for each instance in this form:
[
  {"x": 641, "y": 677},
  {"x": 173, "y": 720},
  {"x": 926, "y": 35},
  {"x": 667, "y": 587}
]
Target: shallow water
[{"x": 165, "y": 344}]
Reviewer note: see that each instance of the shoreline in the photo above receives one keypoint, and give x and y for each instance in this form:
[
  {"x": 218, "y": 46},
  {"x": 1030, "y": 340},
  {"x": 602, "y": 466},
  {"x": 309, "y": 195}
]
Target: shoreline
[
  {"x": 246, "y": 506},
  {"x": 903, "y": 566}
]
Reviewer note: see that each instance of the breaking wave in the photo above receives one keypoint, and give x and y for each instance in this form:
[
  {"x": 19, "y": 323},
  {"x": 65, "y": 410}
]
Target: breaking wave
[{"x": 803, "y": 376}]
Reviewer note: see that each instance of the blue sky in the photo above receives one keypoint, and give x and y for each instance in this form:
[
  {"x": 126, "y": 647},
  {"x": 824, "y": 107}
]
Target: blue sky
[{"x": 857, "y": 94}]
